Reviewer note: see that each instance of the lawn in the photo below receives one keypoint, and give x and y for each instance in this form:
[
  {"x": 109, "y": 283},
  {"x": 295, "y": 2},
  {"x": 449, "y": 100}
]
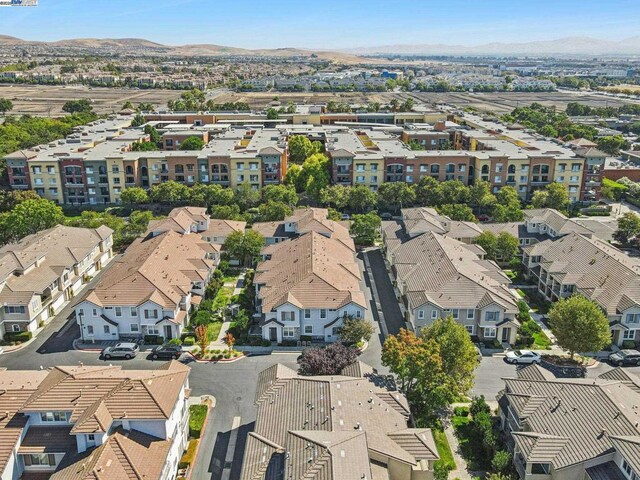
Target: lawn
[
  {"x": 197, "y": 415},
  {"x": 213, "y": 330},
  {"x": 222, "y": 298},
  {"x": 444, "y": 450},
  {"x": 470, "y": 445},
  {"x": 541, "y": 341}
]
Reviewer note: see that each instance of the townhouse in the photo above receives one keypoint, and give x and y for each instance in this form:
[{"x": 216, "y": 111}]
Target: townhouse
[
  {"x": 303, "y": 220},
  {"x": 585, "y": 265},
  {"x": 570, "y": 429},
  {"x": 42, "y": 272},
  {"x": 73, "y": 423},
  {"x": 351, "y": 426},
  {"x": 151, "y": 289},
  {"x": 307, "y": 285}
]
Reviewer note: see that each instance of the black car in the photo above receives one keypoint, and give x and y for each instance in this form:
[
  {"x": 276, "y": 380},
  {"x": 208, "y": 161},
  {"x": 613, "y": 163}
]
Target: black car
[
  {"x": 167, "y": 351},
  {"x": 625, "y": 357}
]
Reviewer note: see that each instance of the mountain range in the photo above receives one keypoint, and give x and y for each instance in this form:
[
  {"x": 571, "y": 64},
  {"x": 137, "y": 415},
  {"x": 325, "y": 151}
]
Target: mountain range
[{"x": 577, "y": 46}]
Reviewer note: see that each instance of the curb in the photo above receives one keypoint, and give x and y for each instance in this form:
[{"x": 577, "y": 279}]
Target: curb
[{"x": 88, "y": 350}]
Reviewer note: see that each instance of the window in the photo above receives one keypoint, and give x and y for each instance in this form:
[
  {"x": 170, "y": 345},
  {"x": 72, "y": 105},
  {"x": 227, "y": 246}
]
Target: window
[
  {"x": 434, "y": 314},
  {"x": 15, "y": 328},
  {"x": 471, "y": 314},
  {"x": 133, "y": 311},
  {"x": 492, "y": 316},
  {"x": 91, "y": 437},
  {"x": 307, "y": 313},
  {"x": 498, "y": 168},
  {"x": 40, "y": 459},
  {"x": 497, "y": 179},
  {"x": 489, "y": 332},
  {"x": 420, "y": 314},
  {"x": 151, "y": 314},
  {"x": 374, "y": 167},
  {"x": 633, "y": 318},
  {"x": 89, "y": 329},
  {"x": 628, "y": 470},
  {"x": 135, "y": 328},
  {"x": 424, "y": 167},
  {"x": 53, "y": 416},
  {"x": 470, "y": 328},
  {"x": 409, "y": 168},
  {"x": 118, "y": 311},
  {"x": 308, "y": 329},
  {"x": 289, "y": 332},
  {"x": 358, "y": 314},
  {"x": 629, "y": 335},
  {"x": 14, "y": 309},
  {"x": 323, "y": 313},
  {"x": 455, "y": 313},
  {"x": 152, "y": 330},
  {"x": 106, "y": 329}
]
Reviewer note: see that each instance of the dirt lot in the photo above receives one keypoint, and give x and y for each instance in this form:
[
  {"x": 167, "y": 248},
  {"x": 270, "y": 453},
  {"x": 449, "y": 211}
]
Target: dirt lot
[
  {"x": 48, "y": 100},
  {"x": 494, "y": 102}
]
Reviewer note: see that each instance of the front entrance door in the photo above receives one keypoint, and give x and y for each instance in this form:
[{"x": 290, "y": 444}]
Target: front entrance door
[
  {"x": 506, "y": 333},
  {"x": 168, "y": 332},
  {"x": 273, "y": 334}
]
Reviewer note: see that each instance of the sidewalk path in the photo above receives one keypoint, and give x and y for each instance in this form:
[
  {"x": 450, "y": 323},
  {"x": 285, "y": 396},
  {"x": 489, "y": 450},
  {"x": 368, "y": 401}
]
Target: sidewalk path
[
  {"x": 219, "y": 342},
  {"x": 538, "y": 319},
  {"x": 461, "y": 470}
]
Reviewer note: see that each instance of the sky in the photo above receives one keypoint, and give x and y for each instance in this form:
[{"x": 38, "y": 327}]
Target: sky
[{"x": 323, "y": 24}]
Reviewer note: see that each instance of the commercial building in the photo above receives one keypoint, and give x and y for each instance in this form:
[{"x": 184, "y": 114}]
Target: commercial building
[
  {"x": 351, "y": 426},
  {"x": 42, "y": 272},
  {"x": 75, "y": 423},
  {"x": 572, "y": 429}
]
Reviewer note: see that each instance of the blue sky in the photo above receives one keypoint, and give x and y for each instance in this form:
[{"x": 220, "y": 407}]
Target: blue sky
[{"x": 323, "y": 24}]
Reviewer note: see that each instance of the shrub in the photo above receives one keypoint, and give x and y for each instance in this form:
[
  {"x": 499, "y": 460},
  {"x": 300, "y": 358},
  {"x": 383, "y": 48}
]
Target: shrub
[
  {"x": 197, "y": 415},
  {"x": 175, "y": 341},
  {"x": 190, "y": 455},
  {"x": 501, "y": 461},
  {"x": 441, "y": 471},
  {"x": 461, "y": 411},
  {"x": 478, "y": 404},
  {"x": 628, "y": 344},
  {"x": 329, "y": 360},
  {"x": 18, "y": 336},
  {"x": 153, "y": 339},
  {"x": 188, "y": 341}
]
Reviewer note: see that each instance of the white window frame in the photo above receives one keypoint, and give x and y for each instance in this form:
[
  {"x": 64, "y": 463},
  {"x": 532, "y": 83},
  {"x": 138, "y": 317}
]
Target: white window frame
[
  {"x": 471, "y": 329},
  {"x": 106, "y": 329},
  {"x": 629, "y": 335},
  {"x": 118, "y": 311},
  {"x": 323, "y": 313},
  {"x": 420, "y": 314},
  {"x": 307, "y": 313},
  {"x": 134, "y": 328},
  {"x": 288, "y": 332},
  {"x": 308, "y": 329},
  {"x": 434, "y": 314},
  {"x": 471, "y": 314},
  {"x": 489, "y": 329}
]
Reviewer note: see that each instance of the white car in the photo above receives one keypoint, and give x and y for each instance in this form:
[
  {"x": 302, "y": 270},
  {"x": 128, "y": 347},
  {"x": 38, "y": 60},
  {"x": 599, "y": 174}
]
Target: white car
[{"x": 523, "y": 357}]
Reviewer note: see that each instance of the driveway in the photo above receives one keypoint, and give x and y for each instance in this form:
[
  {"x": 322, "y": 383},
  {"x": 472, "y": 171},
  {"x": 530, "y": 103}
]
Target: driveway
[{"x": 377, "y": 278}]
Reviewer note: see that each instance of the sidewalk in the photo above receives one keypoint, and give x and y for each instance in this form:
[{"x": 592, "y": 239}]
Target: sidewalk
[
  {"x": 538, "y": 319},
  {"x": 461, "y": 470},
  {"x": 219, "y": 342}
]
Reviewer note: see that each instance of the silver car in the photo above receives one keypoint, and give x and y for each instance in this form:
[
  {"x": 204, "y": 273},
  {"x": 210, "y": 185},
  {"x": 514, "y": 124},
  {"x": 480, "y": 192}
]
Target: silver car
[{"x": 121, "y": 350}]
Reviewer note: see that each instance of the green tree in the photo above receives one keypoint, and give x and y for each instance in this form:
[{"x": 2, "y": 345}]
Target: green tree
[
  {"x": 273, "y": 211},
  {"x": 361, "y": 199},
  {"x": 204, "y": 195},
  {"x": 280, "y": 193},
  {"x": 480, "y": 197},
  {"x": 292, "y": 177},
  {"x": 192, "y": 143},
  {"x": 134, "y": 195},
  {"x": 394, "y": 196},
  {"x": 427, "y": 192},
  {"x": 488, "y": 241},
  {"x": 365, "y": 228},
  {"x": 354, "y": 330},
  {"x": 138, "y": 120},
  {"x": 612, "y": 144},
  {"x": 144, "y": 147},
  {"x": 6, "y": 105},
  {"x": 301, "y": 148},
  {"x": 506, "y": 247},
  {"x": 10, "y": 198},
  {"x": 128, "y": 106},
  {"x": 458, "y": 212},
  {"x": 226, "y": 212},
  {"x": 77, "y": 106},
  {"x": 452, "y": 192},
  {"x": 245, "y": 246},
  {"x": 335, "y": 196},
  {"x": 28, "y": 217},
  {"x": 154, "y": 136},
  {"x": 272, "y": 114},
  {"x": 628, "y": 228},
  {"x": 558, "y": 196},
  {"x": 314, "y": 176},
  {"x": 246, "y": 196},
  {"x": 169, "y": 192},
  {"x": 579, "y": 325}
]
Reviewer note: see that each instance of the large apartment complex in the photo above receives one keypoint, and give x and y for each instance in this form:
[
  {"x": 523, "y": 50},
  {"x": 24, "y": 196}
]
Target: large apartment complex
[
  {"x": 76, "y": 423},
  {"x": 93, "y": 165},
  {"x": 42, "y": 272},
  {"x": 571, "y": 429},
  {"x": 308, "y": 284},
  {"x": 351, "y": 426}
]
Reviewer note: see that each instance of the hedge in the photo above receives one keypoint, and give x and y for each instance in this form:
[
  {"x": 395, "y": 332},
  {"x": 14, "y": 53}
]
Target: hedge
[
  {"x": 188, "y": 341},
  {"x": 197, "y": 415},
  {"x": 17, "y": 336},
  {"x": 190, "y": 455}
]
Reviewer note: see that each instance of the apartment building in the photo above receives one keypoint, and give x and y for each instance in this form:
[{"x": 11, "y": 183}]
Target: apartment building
[
  {"x": 94, "y": 422},
  {"x": 42, "y": 272},
  {"x": 151, "y": 289},
  {"x": 438, "y": 276},
  {"x": 351, "y": 426},
  {"x": 569, "y": 429},
  {"x": 307, "y": 285},
  {"x": 588, "y": 266}
]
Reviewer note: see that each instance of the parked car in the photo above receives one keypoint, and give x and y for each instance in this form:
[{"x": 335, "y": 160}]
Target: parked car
[
  {"x": 167, "y": 351},
  {"x": 625, "y": 357},
  {"x": 523, "y": 357},
  {"x": 121, "y": 350},
  {"x": 386, "y": 216},
  {"x": 478, "y": 352},
  {"x": 345, "y": 216}
]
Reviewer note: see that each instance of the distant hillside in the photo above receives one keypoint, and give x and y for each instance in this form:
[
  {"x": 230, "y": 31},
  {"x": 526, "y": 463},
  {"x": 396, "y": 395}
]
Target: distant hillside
[
  {"x": 107, "y": 42},
  {"x": 562, "y": 46}
]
